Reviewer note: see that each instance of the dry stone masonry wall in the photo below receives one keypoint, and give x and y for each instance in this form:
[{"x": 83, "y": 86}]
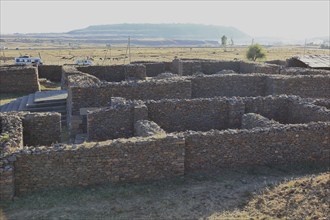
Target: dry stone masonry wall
[
  {"x": 17, "y": 79},
  {"x": 212, "y": 114},
  {"x": 252, "y": 120}
]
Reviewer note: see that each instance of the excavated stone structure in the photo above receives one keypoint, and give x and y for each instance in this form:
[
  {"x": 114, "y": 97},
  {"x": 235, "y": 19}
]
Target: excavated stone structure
[{"x": 149, "y": 121}]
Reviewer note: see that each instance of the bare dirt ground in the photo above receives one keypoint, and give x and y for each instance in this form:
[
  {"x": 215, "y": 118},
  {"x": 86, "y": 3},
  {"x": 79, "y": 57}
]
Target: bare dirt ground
[{"x": 215, "y": 195}]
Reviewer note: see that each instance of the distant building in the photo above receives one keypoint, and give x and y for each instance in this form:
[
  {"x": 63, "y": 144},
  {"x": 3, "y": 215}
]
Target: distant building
[{"x": 310, "y": 61}]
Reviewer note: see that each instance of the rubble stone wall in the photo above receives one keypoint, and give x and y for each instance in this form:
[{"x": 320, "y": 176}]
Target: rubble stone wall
[
  {"x": 121, "y": 160},
  {"x": 19, "y": 79},
  {"x": 252, "y": 120},
  {"x": 259, "y": 146},
  {"x": 50, "y": 72},
  {"x": 42, "y": 128}
]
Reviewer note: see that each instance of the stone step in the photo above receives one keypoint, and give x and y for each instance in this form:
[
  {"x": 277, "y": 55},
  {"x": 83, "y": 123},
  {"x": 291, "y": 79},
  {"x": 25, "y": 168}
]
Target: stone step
[
  {"x": 17, "y": 102},
  {"x": 22, "y": 106},
  {"x": 10, "y": 106},
  {"x": 46, "y": 104},
  {"x": 61, "y": 109},
  {"x": 30, "y": 100},
  {"x": 4, "y": 107}
]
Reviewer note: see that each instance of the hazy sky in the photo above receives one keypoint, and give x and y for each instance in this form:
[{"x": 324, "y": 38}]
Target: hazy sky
[{"x": 287, "y": 19}]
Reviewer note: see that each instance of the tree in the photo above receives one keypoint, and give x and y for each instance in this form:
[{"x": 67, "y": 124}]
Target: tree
[
  {"x": 224, "y": 41},
  {"x": 255, "y": 52}
]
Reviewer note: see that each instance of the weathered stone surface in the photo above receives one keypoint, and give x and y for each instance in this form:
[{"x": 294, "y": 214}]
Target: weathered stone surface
[
  {"x": 145, "y": 128},
  {"x": 19, "y": 79},
  {"x": 122, "y": 160},
  {"x": 252, "y": 120}
]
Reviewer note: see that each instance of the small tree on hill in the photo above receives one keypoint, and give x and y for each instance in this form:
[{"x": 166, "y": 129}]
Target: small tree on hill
[
  {"x": 224, "y": 41},
  {"x": 255, "y": 52}
]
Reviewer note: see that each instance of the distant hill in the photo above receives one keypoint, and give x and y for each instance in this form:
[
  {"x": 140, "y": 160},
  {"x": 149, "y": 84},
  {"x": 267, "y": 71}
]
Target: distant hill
[{"x": 161, "y": 31}]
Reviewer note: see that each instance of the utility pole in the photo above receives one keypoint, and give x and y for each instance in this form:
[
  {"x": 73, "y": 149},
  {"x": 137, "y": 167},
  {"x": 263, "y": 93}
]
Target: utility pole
[{"x": 129, "y": 50}]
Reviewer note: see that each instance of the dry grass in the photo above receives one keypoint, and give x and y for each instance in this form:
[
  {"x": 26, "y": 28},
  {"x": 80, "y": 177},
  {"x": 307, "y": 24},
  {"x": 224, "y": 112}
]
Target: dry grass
[
  {"x": 303, "y": 198},
  {"x": 118, "y": 55}
]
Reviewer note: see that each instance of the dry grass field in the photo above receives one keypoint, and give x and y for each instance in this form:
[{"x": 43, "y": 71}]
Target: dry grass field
[
  {"x": 297, "y": 192},
  {"x": 119, "y": 55}
]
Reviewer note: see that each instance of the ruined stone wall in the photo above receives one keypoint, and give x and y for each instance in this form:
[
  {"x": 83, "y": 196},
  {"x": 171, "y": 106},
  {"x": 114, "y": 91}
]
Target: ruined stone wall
[
  {"x": 114, "y": 73},
  {"x": 128, "y": 160},
  {"x": 271, "y": 107},
  {"x": 301, "y": 111},
  {"x": 83, "y": 97},
  {"x": 41, "y": 128},
  {"x": 145, "y": 128},
  {"x": 11, "y": 133},
  {"x": 212, "y": 67},
  {"x": 259, "y": 146},
  {"x": 19, "y": 79},
  {"x": 322, "y": 102},
  {"x": 228, "y": 85},
  {"x": 116, "y": 121},
  {"x": 111, "y": 123},
  {"x": 196, "y": 114},
  {"x": 50, "y": 72},
  {"x": 252, "y": 120},
  {"x": 303, "y": 71},
  {"x": 317, "y": 86},
  {"x": 11, "y": 140},
  {"x": 152, "y": 68}
]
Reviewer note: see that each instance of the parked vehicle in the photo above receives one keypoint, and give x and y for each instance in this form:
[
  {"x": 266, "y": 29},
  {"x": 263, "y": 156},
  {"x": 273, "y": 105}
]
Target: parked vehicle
[
  {"x": 84, "y": 62},
  {"x": 26, "y": 60}
]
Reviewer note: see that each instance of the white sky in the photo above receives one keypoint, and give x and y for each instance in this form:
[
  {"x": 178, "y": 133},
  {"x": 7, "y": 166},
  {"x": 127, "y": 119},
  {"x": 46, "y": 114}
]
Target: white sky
[{"x": 286, "y": 19}]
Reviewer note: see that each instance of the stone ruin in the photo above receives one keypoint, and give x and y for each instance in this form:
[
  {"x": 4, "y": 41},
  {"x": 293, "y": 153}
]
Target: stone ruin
[{"x": 155, "y": 120}]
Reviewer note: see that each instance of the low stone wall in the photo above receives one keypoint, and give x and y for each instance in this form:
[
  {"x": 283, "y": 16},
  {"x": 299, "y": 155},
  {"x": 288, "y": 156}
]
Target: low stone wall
[
  {"x": 259, "y": 146},
  {"x": 110, "y": 123},
  {"x": 114, "y": 73},
  {"x": 135, "y": 72},
  {"x": 322, "y": 102},
  {"x": 196, "y": 114},
  {"x": 7, "y": 185},
  {"x": 19, "y": 79},
  {"x": 152, "y": 68},
  {"x": 271, "y": 107},
  {"x": 229, "y": 85},
  {"x": 50, "y": 72},
  {"x": 145, "y": 128},
  {"x": 11, "y": 133},
  {"x": 301, "y": 111},
  {"x": 42, "y": 128},
  {"x": 317, "y": 86},
  {"x": 129, "y": 160},
  {"x": 312, "y": 86},
  {"x": 34, "y": 128},
  {"x": 252, "y": 120},
  {"x": 116, "y": 121},
  {"x": 85, "y": 97},
  {"x": 277, "y": 62},
  {"x": 303, "y": 71},
  {"x": 73, "y": 77}
]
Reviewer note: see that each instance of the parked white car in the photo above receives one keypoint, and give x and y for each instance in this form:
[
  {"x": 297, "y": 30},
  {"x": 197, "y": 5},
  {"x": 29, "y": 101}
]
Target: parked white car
[
  {"x": 84, "y": 62},
  {"x": 26, "y": 60}
]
